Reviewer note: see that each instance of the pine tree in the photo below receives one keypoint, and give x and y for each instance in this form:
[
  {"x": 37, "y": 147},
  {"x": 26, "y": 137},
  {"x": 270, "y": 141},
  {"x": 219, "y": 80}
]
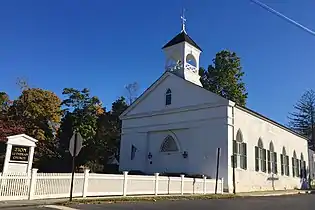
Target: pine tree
[
  {"x": 224, "y": 77},
  {"x": 302, "y": 119}
]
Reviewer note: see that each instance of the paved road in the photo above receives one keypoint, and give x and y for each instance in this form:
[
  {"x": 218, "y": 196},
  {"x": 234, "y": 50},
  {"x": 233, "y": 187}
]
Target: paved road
[{"x": 298, "y": 202}]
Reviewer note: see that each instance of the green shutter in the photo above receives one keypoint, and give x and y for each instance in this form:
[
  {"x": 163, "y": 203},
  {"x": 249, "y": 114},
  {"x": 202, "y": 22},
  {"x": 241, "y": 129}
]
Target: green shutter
[
  {"x": 275, "y": 163},
  {"x": 256, "y": 159},
  {"x": 234, "y": 161},
  {"x": 293, "y": 167},
  {"x": 244, "y": 156},
  {"x": 234, "y": 147},
  {"x": 264, "y": 160}
]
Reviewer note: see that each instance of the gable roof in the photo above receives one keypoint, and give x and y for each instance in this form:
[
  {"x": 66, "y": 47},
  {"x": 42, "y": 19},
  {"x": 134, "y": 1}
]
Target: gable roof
[
  {"x": 181, "y": 37},
  {"x": 145, "y": 93},
  {"x": 155, "y": 85},
  {"x": 22, "y": 136}
]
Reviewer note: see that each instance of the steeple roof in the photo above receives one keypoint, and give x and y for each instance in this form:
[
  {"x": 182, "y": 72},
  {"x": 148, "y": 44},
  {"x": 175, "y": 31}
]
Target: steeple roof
[{"x": 181, "y": 37}]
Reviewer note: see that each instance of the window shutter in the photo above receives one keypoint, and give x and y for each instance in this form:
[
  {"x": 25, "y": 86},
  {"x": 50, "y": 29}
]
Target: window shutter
[
  {"x": 293, "y": 167},
  {"x": 256, "y": 159},
  {"x": 244, "y": 156},
  {"x": 298, "y": 167},
  {"x": 263, "y": 162},
  {"x": 234, "y": 160},
  {"x": 281, "y": 161},
  {"x": 275, "y": 163},
  {"x": 269, "y": 161},
  {"x": 234, "y": 147},
  {"x": 304, "y": 169}
]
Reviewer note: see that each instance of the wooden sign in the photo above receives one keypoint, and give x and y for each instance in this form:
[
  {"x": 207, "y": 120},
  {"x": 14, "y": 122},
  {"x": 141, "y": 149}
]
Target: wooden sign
[{"x": 19, "y": 153}]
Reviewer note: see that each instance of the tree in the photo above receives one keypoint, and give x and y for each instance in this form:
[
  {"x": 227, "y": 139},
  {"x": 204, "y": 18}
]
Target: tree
[
  {"x": 302, "y": 119},
  {"x": 38, "y": 110},
  {"x": 81, "y": 114},
  {"x": 4, "y": 101},
  {"x": 109, "y": 132},
  {"x": 132, "y": 92},
  {"x": 224, "y": 77},
  {"x": 9, "y": 127}
]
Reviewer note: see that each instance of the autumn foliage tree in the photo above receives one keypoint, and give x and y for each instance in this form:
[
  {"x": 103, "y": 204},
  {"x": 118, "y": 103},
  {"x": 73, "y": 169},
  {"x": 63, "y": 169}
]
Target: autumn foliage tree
[
  {"x": 8, "y": 126},
  {"x": 39, "y": 111}
]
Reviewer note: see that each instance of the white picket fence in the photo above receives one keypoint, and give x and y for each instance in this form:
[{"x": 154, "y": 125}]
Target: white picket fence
[{"x": 57, "y": 185}]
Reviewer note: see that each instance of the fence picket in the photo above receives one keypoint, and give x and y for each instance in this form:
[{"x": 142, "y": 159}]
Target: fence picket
[{"x": 57, "y": 185}]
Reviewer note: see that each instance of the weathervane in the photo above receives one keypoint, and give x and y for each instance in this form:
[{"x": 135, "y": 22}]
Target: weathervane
[{"x": 183, "y": 21}]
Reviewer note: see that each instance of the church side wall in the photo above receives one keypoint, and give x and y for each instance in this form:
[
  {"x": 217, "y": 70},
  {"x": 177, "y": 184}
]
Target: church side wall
[
  {"x": 253, "y": 128},
  {"x": 198, "y": 132}
]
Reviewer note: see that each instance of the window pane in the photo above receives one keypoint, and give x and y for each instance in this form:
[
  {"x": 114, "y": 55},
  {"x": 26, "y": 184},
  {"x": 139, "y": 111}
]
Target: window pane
[{"x": 282, "y": 165}]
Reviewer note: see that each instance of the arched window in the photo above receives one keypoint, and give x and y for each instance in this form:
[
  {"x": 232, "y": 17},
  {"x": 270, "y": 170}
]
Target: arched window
[
  {"x": 295, "y": 171},
  {"x": 191, "y": 60},
  {"x": 272, "y": 159},
  {"x": 303, "y": 167},
  {"x": 284, "y": 158},
  {"x": 239, "y": 151},
  {"x": 260, "y": 156},
  {"x": 168, "y": 97},
  {"x": 169, "y": 145}
]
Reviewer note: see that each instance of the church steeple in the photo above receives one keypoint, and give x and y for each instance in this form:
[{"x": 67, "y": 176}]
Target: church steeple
[{"x": 182, "y": 56}]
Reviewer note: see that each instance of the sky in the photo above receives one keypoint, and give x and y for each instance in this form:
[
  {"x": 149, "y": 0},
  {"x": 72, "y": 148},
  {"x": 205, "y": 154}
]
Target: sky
[{"x": 105, "y": 44}]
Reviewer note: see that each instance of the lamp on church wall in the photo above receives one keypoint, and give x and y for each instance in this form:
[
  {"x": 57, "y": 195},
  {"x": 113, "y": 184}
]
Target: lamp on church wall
[
  {"x": 149, "y": 156},
  {"x": 185, "y": 154}
]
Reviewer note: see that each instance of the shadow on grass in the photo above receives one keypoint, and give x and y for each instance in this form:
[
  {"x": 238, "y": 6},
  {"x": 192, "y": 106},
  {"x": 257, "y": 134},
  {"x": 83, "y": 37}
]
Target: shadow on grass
[{"x": 147, "y": 199}]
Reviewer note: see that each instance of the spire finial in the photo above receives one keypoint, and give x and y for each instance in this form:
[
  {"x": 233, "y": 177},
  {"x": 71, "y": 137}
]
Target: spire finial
[{"x": 183, "y": 21}]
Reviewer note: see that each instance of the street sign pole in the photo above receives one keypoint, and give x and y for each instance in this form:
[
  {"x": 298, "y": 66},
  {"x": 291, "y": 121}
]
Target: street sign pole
[
  {"x": 217, "y": 174},
  {"x": 73, "y": 163}
]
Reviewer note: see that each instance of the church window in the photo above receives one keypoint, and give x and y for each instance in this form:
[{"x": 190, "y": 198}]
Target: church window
[
  {"x": 239, "y": 151},
  {"x": 191, "y": 60},
  {"x": 169, "y": 145},
  {"x": 168, "y": 97},
  {"x": 284, "y": 158},
  {"x": 303, "y": 167},
  {"x": 260, "y": 156},
  {"x": 272, "y": 159},
  {"x": 294, "y": 165}
]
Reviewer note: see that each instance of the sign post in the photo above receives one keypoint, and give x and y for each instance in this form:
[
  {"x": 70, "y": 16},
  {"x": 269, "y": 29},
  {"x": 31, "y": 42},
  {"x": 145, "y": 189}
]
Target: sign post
[
  {"x": 75, "y": 147},
  {"x": 217, "y": 174}
]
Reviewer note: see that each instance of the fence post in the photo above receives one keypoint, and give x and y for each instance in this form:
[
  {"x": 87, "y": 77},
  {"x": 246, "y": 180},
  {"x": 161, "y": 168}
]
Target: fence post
[
  {"x": 125, "y": 183},
  {"x": 156, "y": 175},
  {"x": 182, "y": 184},
  {"x": 32, "y": 185},
  {"x": 204, "y": 184},
  {"x": 222, "y": 185},
  {"x": 85, "y": 182}
]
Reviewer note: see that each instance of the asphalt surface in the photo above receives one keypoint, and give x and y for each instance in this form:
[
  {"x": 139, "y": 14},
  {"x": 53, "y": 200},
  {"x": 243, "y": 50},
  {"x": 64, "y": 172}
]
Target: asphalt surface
[{"x": 300, "y": 202}]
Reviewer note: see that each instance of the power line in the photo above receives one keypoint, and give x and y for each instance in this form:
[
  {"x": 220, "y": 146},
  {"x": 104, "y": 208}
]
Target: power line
[{"x": 266, "y": 7}]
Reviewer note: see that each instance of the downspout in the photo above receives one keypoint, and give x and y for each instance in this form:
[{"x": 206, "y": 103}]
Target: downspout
[{"x": 233, "y": 156}]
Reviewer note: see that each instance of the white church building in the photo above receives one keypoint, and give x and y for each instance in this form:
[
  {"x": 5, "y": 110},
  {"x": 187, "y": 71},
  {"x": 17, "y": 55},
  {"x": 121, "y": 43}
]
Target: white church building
[{"x": 176, "y": 126}]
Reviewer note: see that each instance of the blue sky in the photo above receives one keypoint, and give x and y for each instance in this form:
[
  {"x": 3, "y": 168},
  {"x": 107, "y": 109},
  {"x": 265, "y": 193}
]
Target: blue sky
[{"x": 104, "y": 45}]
